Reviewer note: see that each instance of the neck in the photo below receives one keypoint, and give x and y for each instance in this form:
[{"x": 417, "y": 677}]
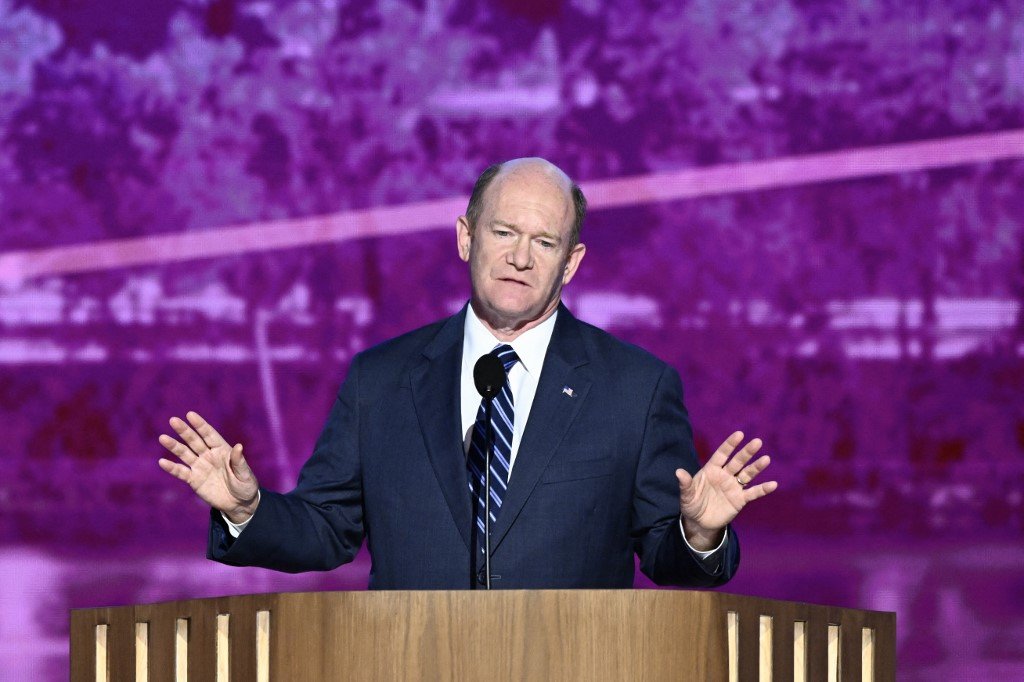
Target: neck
[{"x": 508, "y": 330}]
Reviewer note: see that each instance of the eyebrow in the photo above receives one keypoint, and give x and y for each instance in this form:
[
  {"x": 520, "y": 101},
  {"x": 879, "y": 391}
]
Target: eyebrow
[{"x": 512, "y": 226}]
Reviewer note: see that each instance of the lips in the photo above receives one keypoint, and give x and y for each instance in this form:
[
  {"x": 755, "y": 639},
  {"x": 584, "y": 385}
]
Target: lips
[{"x": 513, "y": 281}]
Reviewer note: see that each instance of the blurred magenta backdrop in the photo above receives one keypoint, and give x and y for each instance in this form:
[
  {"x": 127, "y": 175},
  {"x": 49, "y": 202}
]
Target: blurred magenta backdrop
[{"x": 812, "y": 209}]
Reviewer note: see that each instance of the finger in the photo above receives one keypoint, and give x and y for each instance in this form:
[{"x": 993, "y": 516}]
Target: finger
[
  {"x": 725, "y": 449},
  {"x": 686, "y": 491},
  {"x": 741, "y": 458},
  {"x": 179, "y": 471},
  {"x": 750, "y": 472},
  {"x": 238, "y": 463},
  {"x": 179, "y": 449},
  {"x": 760, "y": 490},
  {"x": 205, "y": 430},
  {"x": 191, "y": 438}
]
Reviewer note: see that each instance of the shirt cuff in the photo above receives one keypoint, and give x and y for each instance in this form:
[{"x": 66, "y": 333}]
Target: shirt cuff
[
  {"x": 236, "y": 528},
  {"x": 700, "y": 554}
]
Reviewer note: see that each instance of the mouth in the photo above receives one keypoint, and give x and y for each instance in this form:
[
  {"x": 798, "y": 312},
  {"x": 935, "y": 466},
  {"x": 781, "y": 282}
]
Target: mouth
[{"x": 512, "y": 280}]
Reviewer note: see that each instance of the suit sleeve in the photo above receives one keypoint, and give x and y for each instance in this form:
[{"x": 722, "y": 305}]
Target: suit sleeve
[
  {"x": 667, "y": 446},
  {"x": 318, "y": 526}
]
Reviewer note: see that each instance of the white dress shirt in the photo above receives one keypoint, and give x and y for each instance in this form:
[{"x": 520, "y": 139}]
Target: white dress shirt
[{"x": 532, "y": 347}]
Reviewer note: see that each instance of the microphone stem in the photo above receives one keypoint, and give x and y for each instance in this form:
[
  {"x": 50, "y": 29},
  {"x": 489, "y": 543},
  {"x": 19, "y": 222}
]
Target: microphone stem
[{"x": 487, "y": 497}]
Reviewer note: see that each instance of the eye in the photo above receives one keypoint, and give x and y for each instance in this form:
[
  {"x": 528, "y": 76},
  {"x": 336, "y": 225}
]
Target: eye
[
  {"x": 502, "y": 233},
  {"x": 546, "y": 243}
]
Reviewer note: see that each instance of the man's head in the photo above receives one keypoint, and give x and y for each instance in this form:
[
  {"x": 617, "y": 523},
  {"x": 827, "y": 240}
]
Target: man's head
[{"x": 520, "y": 236}]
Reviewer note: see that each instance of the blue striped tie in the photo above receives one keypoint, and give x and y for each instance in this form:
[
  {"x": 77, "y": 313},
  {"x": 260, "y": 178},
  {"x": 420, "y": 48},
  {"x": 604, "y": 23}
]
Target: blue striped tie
[{"x": 503, "y": 421}]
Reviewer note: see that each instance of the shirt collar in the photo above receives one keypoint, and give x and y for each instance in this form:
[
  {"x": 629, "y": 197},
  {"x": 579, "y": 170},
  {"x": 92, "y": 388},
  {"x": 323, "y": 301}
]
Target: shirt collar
[{"x": 531, "y": 346}]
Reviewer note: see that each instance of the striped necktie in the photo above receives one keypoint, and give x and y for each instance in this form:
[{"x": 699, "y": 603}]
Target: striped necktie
[{"x": 503, "y": 421}]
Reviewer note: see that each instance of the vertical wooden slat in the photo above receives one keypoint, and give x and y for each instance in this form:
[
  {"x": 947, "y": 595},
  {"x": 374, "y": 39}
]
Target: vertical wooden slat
[
  {"x": 202, "y": 641},
  {"x": 181, "y": 650},
  {"x": 732, "y": 628},
  {"x": 83, "y": 645},
  {"x": 121, "y": 643},
  {"x": 834, "y": 641},
  {"x": 849, "y": 644},
  {"x": 102, "y": 655},
  {"x": 885, "y": 647},
  {"x": 800, "y": 651},
  {"x": 817, "y": 645},
  {"x": 749, "y": 650},
  {"x": 263, "y": 646},
  {"x": 142, "y": 652},
  {"x": 782, "y": 644},
  {"x": 867, "y": 655},
  {"x": 161, "y": 642},
  {"x": 765, "y": 648},
  {"x": 223, "y": 647},
  {"x": 242, "y": 639}
]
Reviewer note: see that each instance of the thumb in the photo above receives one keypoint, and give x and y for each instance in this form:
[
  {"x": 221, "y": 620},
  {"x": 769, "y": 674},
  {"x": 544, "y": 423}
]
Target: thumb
[
  {"x": 685, "y": 484},
  {"x": 238, "y": 464}
]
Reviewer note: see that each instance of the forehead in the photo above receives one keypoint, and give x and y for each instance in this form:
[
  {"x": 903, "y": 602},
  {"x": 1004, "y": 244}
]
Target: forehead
[{"x": 530, "y": 198}]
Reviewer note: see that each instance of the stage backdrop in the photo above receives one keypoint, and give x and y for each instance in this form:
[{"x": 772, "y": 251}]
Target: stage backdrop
[{"x": 812, "y": 209}]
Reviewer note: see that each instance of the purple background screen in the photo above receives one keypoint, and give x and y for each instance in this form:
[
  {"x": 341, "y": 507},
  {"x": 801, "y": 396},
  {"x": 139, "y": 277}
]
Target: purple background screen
[{"x": 812, "y": 209}]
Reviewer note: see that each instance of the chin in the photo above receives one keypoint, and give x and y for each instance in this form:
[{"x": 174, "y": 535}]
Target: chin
[
  {"x": 515, "y": 316},
  {"x": 515, "y": 313}
]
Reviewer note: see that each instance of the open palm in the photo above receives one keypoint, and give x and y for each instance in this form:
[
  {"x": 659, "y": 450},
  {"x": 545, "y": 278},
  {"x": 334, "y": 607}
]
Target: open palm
[
  {"x": 216, "y": 471},
  {"x": 711, "y": 499}
]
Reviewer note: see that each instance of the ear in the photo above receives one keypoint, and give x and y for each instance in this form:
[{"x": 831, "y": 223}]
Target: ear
[
  {"x": 572, "y": 263},
  {"x": 464, "y": 237}
]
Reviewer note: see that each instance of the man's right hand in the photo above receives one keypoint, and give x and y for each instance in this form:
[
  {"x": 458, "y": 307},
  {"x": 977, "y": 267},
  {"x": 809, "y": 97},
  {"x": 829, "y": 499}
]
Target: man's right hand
[{"x": 216, "y": 471}]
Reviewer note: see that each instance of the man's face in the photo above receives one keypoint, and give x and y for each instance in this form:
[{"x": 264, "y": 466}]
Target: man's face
[{"x": 519, "y": 256}]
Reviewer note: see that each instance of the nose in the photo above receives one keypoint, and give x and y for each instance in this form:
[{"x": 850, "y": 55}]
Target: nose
[{"x": 520, "y": 256}]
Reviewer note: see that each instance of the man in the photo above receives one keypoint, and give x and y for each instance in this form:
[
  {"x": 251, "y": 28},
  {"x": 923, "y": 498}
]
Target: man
[{"x": 593, "y": 449}]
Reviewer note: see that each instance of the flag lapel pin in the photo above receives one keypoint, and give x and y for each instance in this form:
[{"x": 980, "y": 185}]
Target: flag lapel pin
[{"x": 568, "y": 391}]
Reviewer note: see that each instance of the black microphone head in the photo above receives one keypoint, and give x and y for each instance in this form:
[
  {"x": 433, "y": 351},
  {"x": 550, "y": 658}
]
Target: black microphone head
[{"x": 489, "y": 375}]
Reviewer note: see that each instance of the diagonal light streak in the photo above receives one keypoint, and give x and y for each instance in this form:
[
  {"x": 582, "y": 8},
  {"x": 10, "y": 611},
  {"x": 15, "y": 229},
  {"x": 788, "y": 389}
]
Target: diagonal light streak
[
  {"x": 846, "y": 164},
  {"x": 18, "y": 266}
]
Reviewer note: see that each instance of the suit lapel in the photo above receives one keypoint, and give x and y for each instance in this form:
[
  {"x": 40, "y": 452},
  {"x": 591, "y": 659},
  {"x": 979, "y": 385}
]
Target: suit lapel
[
  {"x": 436, "y": 390},
  {"x": 551, "y": 415}
]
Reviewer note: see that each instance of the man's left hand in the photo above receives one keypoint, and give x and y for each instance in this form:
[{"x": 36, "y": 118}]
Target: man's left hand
[{"x": 710, "y": 500}]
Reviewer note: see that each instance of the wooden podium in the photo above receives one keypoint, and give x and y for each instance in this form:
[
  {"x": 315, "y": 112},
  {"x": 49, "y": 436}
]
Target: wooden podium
[{"x": 500, "y": 635}]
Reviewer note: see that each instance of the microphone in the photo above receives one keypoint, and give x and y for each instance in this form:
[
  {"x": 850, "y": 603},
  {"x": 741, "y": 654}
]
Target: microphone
[{"x": 489, "y": 377}]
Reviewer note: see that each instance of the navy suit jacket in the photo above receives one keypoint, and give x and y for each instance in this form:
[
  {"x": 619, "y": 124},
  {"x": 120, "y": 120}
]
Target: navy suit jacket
[{"x": 593, "y": 482}]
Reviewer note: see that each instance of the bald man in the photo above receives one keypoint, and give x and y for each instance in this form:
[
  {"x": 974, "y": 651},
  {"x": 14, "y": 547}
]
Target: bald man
[{"x": 593, "y": 450}]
